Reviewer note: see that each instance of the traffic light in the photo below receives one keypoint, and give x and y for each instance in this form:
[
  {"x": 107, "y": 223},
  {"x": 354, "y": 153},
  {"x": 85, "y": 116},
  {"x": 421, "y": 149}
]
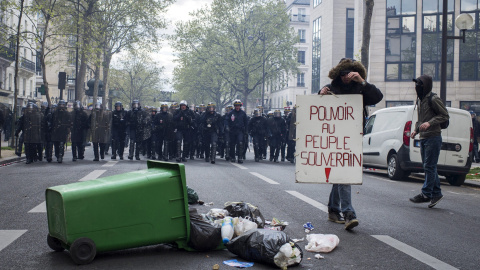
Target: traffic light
[{"x": 62, "y": 80}]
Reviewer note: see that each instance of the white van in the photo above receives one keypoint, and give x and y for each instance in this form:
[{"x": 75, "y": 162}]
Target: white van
[{"x": 387, "y": 144}]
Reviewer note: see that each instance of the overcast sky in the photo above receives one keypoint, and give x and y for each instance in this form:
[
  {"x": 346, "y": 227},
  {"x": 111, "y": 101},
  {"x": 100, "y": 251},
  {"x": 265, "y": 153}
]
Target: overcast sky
[{"x": 179, "y": 11}]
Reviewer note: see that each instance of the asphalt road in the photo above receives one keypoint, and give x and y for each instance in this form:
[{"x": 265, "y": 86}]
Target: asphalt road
[{"x": 393, "y": 232}]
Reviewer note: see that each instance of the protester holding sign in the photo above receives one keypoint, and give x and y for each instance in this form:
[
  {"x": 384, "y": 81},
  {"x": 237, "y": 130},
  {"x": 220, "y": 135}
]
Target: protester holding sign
[{"x": 348, "y": 77}]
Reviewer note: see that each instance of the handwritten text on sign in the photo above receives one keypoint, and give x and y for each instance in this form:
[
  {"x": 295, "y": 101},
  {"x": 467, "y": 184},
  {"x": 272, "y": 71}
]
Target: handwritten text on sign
[{"x": 329, "y": 145}]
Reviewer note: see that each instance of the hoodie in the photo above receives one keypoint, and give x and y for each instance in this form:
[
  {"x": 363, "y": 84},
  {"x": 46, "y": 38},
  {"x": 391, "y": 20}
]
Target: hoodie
[{"x": 435, "y": 114}]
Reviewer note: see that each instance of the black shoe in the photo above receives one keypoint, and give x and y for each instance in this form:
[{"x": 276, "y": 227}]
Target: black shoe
[
  {"x": 184, "y": 159},
  {"x": 129, "y": 157},
  {"x": 271, "y": 158},
  {"x": 81, "y": 158},
  {"x": 113, "y": 157},
  {"x": 212, "y": 161},
  {"x": 121, "y": 157},
  {"x": 275, "y": 160},
  {"x": 28, "y": 162},
  {"x": 59, "y": 160},
  {"x": 240, "y": 161},
  {"x": 49, "y": 160},
  {"x": 149, "y": 157},
  {"x": 207, "y": 159},
  {"x": 192, "y": 157},
  {"x": 336, "y": 217},
  {"x": 137, "y": 158},
  {"x": 434, "y": 201},
  {"x": 350, "y": 221},
  {"x": 420, "y": 198},
  {"x": 74, "y": 159},
  {"x": 178, "y": 160},
  {"x": 95, "y": 159},
  {"x": 257, "y": 159},
  {"x": 283, "y": 159}
]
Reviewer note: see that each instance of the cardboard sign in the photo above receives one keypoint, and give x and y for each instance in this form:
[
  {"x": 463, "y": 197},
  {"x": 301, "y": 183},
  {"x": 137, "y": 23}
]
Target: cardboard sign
[{"x": 329, "y": 139}]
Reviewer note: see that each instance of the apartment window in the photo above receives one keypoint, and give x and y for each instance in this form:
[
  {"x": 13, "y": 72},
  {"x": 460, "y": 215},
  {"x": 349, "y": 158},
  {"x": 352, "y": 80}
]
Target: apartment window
[
  {"x": 10, "y": 82},
  {"x": 470, "y": 106},
  {"x": 24, "y": 87},
  {"x": 301, "y": 15},
  {"x": 316, "y": 2},
  {"x": 71, "y": 58},
  {"x": 302, "y": 33},
  {"x": 400, "y": 42},
  {"x": 350, "y": 31},
  {"x": 301, "y": 57},
  {"x": 301, "y": 79},
  {"x": 470, "y": 50},
  {"x": 432, "y": 38},
  {"x": 316, "y": 54}
]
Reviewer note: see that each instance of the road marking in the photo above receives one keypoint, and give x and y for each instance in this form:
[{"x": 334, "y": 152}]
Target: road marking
[
  {"x": 383, "y": 179},
  {"x": 41, "y": 208},
  {"x": 93, "y": 175},
  {"x": 264, "y": 178},
  {"x": 8, "y": 236},
  {"x": 415, "y": 253},
  {"x": 239, "y": 166},
  {"x": 308, "y": 200},
  {"x": 110, "y": 164}
]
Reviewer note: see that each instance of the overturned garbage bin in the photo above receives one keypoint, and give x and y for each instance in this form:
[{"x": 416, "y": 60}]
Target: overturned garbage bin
[{"x": 134, "y": 209}]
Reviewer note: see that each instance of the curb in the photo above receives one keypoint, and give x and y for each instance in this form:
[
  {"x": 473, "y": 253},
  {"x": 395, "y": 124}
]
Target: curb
[
  {"x": 8, "y": 161},
  {"x": 471, "y": 183}
]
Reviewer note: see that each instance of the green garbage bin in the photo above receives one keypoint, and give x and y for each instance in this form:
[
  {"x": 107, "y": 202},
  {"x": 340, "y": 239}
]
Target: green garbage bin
[{"x": 128, "y": 210}]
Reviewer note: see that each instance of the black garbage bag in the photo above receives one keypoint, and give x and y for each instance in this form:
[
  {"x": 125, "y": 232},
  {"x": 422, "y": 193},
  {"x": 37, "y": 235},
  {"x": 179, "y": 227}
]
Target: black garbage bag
[
  {"x": 245, "y": 210},
  {"x": 259, "y": 245},
  {"x": 203, "y": 235},
  {"x": 192, "y": 196}
]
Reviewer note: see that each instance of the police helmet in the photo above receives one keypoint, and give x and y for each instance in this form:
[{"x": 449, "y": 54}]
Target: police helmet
[
  {"x": 30, "y": 105},
  {"x": 44, "y": 104},
  {"x": 163, "y": 106},
  {"x": 154, "y": 109},
  {"x": 277, "y": 113},
  {"x": 183, "y": 102},
  {"x": 256, "y": 112},
  {"x": 77, "y": 105},
  {"x": 118, "y": 104},
  {"x": 62, "y": 104},
  {"x": 211, "y": 107},
  {"x": 135, "y": 104},
  {"x": 270, "y": 113},
  {"x": 237, "y": 102}
]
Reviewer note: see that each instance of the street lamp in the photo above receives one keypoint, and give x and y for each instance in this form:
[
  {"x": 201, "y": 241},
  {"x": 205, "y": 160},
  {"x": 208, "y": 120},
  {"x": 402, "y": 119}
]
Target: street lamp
[{"x": 463, "y": 22}]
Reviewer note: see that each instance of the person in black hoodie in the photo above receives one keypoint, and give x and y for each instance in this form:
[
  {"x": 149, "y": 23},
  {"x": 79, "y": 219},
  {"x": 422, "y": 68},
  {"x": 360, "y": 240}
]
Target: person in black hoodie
[
  {"x": 431, "y": 113},
  {"x": 348, "y": 77}
]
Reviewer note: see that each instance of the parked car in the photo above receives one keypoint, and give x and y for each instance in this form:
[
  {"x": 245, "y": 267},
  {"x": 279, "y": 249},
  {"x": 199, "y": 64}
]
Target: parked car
[{"x": 387, "y": 144}]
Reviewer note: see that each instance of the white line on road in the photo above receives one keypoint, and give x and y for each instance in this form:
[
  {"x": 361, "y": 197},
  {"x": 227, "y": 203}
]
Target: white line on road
[
  {"x": 306, "y": 199},
  {"x": 93, "y": 175},
  {"x": 239, "y": 166},
  {"x": 8, "y": 236},
  {"x": 415, "y": 253},
  {"x": 383, "y": 179},
  {"x": 264, "y": 178},
  {"x": 41, "y": 208},
  {"x": 110, "y": 164}
]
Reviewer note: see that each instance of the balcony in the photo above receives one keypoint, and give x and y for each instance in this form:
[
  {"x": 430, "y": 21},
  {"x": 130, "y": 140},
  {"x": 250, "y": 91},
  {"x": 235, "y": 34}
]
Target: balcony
[
  {"x": 7, "y": 55},
  {"x": 27, "y": 64},
  {"x": 300, "y": 18}
]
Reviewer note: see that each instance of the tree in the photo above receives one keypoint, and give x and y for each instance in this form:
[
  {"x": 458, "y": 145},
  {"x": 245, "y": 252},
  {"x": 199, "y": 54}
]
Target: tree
[
  {"x": 367, "y": 22},
  {"x": 137, "y": 77},
  {"x": 237, "y": 38}
]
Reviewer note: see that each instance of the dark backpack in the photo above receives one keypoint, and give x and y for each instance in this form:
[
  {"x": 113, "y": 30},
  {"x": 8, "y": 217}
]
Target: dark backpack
[{"x": 443, "y": 125}]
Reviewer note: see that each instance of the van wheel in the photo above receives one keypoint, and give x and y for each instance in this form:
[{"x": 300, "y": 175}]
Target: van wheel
[
  {"x": 83, "y": 251},
  {"x": 456, "y": 179},
  {"x": 394, "y": 171}
]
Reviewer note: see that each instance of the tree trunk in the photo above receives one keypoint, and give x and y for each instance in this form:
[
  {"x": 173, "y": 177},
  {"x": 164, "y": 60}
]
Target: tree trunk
[
  {"x": 106, "y": 69},
  {"x": 42, "y": 62},
  {"x": 15, "y": 83},
  {"x": 367, "y": 22}
]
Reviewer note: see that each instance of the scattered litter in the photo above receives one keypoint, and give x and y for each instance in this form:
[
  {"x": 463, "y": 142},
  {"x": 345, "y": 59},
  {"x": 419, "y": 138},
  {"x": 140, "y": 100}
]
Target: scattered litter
[
  {"x": 308, "y": 226},
  {"x": 242, "y": 225},
  {"x": 318, "y": 256},
  {"x": 309, "y": 258},
  {"x": 238, "y": 264},
  {"x": 275, "y": 225},
  {"x": 242, "y": 209},
  {"x": 216, "y": 267},
  {"x": 217, "y": 213},
  {"x": 307, "y": 231},
  {"x": 209, "y": 204},
  {"x": 201, "y": 202},
  {"x": 322, "y": 242},
  {"x": 298, "y": 240},
  {"x": 289, "y": 254}
]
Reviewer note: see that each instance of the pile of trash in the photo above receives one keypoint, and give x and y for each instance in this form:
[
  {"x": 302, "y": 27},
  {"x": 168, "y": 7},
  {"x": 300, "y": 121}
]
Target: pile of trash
[{"x": 242, "y": 229}]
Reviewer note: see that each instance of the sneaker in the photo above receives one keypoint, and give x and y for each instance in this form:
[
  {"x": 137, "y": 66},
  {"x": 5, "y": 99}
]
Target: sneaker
[
  {"x": 336, "y": 217},
  {"x": 434, "y": 201},
  {"x": 420, "y": 198},
  {"x": 350, "y": 221}
]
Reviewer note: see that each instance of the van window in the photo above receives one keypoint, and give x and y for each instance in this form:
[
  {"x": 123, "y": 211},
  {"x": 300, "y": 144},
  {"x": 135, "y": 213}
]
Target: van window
[
  {"x": 389, "y": 120},
  {"x": 369, "y": 125}
]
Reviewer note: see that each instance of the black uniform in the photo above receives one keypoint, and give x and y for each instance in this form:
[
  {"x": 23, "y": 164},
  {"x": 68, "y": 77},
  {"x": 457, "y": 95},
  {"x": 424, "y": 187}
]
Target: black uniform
[
  {"x": 119, "y": 130},
  {"x": 183, "y": 121},
  {"x": 291, "y": 118},
  {"x": 237, "y": 123},
  {"x": 257, "y": 128},
  {"x": 163, "y": 130},
  {"x": 79, "y": 127},
  {"x": 224, "y": 140},
  {"x": 61, "y": 124},
  {"x": 136, "y": 120},
  {"x": 100, "y": 132},
  {"x": 277, "y": 128},
  {"x": 212, "y": 127},
  {"x": 31, "y": 125}
]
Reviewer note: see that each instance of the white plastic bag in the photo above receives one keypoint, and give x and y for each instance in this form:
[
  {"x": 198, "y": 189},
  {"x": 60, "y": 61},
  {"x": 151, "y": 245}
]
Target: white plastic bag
[
  {"x": 322, "y": 242},
  {"x": 287, "y": 256},
  {"x": 242, "y": 225}
]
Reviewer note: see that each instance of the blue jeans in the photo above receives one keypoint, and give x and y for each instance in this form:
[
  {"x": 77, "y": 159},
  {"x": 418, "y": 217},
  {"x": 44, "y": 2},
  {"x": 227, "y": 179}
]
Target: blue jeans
[
  {"x": 430, "y": 150},
  {"x": 341, "y": 199}
]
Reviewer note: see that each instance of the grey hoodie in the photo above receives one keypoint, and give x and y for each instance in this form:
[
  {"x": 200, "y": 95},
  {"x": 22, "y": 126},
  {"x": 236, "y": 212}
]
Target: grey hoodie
[{"x": 435, "y": 114}]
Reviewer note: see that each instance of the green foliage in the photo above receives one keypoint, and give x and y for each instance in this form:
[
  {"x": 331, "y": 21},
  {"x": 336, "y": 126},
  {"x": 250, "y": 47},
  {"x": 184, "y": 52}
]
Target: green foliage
[{"x": 233, "y": 40}]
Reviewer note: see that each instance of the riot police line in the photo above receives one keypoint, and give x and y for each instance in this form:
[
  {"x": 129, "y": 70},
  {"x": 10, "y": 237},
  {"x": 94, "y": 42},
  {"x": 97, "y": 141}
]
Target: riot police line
[{"x": 167, "y": 133}]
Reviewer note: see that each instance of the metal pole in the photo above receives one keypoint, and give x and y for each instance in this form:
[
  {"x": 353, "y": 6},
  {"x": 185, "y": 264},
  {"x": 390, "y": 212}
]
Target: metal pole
[
  {"x": 263, "y": 72},
  {"x": 443, "y": 70},
  {"x": 76, "y": 49}
]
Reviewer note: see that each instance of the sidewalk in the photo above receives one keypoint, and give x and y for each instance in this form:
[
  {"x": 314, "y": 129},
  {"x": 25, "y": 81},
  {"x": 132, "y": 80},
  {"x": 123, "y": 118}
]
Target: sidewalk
[{"x": 8, "y": 156}]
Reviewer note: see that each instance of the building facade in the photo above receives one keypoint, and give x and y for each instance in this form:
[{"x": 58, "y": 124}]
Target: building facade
[{"x": 405, "y": 43}]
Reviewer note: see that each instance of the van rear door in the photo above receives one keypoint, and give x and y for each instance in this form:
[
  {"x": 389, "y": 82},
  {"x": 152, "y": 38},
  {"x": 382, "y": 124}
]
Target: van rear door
[{"x": 456, "y": 138}]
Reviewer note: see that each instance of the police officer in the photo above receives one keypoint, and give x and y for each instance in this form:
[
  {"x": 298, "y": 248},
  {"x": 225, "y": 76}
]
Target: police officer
[
  {"x": 31, "y": 126},
  {"x": 198, "y": 143},
  {"x": 277, "y": 129},
  {"x": 291, "y": 119},
  {"x": 135, "y": 123},
  {"x": 237, "y": 123},
  {"x": 19, "y": 137},
  {"x": 119, "y": 130},
  {"x": 79, "y": 125},
  {"x": 286, "y": 112},
  {"x": 211, "y": 124},
  {"x": 100, "y": 130},
  {"x": 257, "y": 128},
  {"x": 61, "y": 124},
  {"x": 224, "y": 139},
  {"x": 163, "y": 130},
  {"x": 173, "y": 146},
  {"x": 149, "y": 141},
  {"x": 183, "y": 118}
]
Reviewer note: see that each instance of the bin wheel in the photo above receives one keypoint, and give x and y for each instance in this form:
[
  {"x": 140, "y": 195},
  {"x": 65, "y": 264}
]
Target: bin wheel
[
  {"x": 54, "y": 243},
  {"x": 83, "y": 251}
]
